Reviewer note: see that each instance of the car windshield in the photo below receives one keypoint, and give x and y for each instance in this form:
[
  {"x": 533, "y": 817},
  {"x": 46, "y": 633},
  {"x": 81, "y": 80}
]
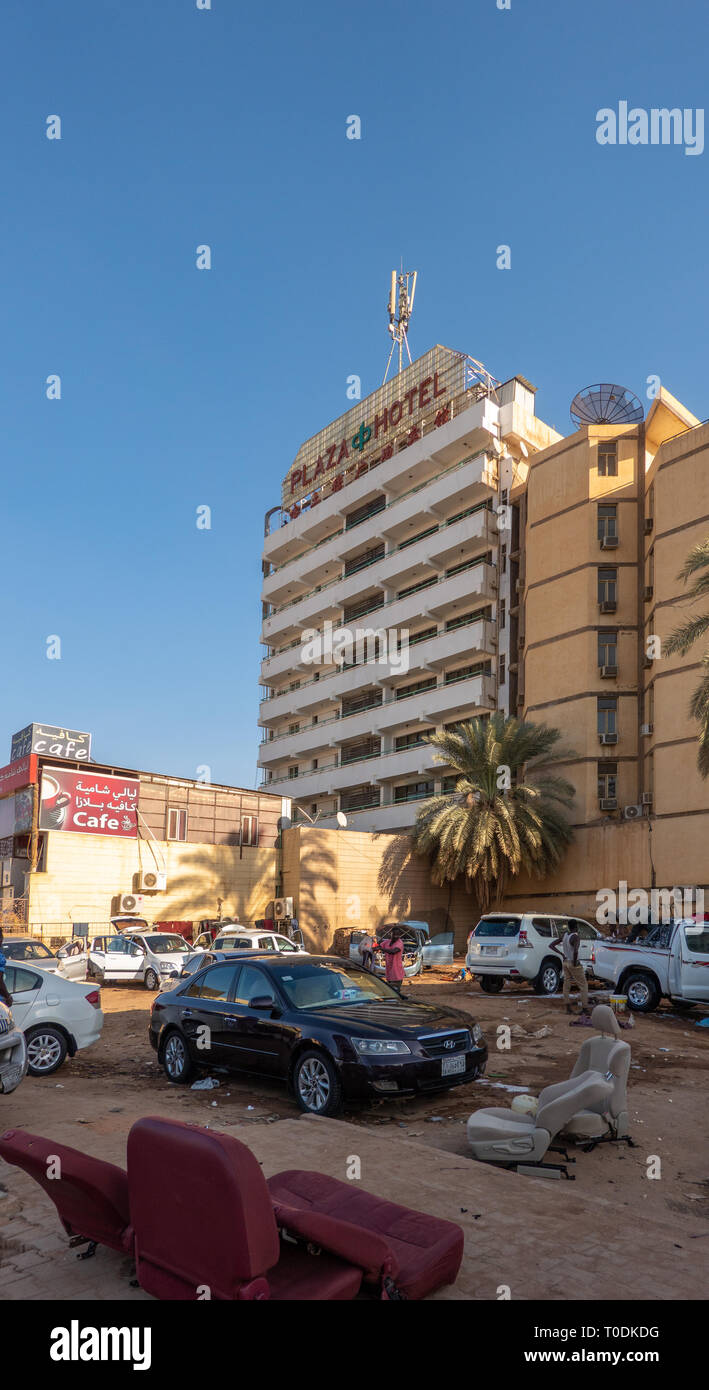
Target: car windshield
[
  {"x": 166, "y": 945},
  {"x": 498, "y": 926},
  {"x": 319, "y": 984},
  {"x": 27, "y": 950}
]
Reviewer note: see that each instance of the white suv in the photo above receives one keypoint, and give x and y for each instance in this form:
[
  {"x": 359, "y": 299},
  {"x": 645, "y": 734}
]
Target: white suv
[{"x": 520, "y": 946}]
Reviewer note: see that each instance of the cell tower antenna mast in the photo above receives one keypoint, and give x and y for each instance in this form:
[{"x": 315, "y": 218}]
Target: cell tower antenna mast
[{"x": 401, "y": 307}]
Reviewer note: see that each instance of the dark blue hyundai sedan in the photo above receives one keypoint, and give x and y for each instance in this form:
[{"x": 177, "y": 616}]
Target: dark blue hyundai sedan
[{"x": 329, "y": 1029}]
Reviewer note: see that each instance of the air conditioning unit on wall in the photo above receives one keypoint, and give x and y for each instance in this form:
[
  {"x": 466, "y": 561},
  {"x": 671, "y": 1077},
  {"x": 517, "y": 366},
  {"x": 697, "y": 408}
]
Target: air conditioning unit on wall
[
  {"x": 282, "y": 907},
  {"x": 633, "y": 812},
  {"x": 152, "y": 881},
  {"x": 129, "y": 902}
]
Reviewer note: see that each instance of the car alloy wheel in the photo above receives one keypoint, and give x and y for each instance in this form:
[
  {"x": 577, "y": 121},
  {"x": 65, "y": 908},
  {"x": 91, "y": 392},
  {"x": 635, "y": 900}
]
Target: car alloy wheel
[
  {"x": 44, "y": 1053},
  {"x": 550, "y": 979},
  {"x": 314, "y": 1084},
  {"x": 152, "y": 980},
  {"x": 175, "y": 1057}
]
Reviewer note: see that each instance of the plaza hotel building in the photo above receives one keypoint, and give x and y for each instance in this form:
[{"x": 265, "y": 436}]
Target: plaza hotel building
[{"x": 535, "y": 573}]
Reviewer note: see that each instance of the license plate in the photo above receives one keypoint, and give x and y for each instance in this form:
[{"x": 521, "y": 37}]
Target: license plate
[
  {"x": 451, "y": 1065},
  {"x": 494, "y": 950}
]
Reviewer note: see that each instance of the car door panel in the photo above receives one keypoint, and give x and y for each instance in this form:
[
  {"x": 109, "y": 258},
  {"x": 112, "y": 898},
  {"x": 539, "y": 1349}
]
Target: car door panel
[
  {"x": 25, "y": 986},
  {"x": 259, "y": 1043},
  {"x": 205, "y": 1015},
  {"x": 439, "y": 950},
  {"x": 689, "y": 962}
]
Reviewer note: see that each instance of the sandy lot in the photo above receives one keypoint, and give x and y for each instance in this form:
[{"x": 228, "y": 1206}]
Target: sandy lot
[{"x": 92, "y": 1101}]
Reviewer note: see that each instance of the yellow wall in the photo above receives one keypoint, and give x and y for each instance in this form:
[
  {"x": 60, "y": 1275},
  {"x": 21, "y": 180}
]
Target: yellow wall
[{"x": 86, "y": 872}]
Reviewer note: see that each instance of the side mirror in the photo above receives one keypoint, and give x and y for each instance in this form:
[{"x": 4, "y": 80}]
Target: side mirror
[{"x": 263, "y": 1001}]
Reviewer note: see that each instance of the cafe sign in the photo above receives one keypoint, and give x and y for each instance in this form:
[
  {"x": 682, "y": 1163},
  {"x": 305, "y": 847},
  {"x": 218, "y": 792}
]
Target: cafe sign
[
  {"x": 52, "y": 740},
  {"x": 88, "y": 802},
  {"x": 20, "y": 773}
]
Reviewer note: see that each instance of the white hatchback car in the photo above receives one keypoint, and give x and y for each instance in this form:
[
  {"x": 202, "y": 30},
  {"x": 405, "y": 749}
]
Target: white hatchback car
[
  {"x": 57, "y": 1016},
  {"x": 150, "y": 958},
  {"x": 13, "y": 1052},
  {"x": 252, "y": 939},
  {"x": 519, "y": 946}
]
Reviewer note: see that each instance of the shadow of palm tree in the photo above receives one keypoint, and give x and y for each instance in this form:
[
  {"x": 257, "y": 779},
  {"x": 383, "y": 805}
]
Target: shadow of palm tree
[
  {"x": 317, "y": 880},
  {"x": 195, "y": 890}
]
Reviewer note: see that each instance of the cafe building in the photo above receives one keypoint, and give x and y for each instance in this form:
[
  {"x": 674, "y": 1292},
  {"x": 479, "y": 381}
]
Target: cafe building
[{"x": 82, "y": 841}]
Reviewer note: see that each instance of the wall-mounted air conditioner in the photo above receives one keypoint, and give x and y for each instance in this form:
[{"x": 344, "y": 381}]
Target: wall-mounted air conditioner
[
  {"x": 632, "y": 812},
  {"x": 130, "y": 902},
  {"x": 609, "y": 738},
  {"x": 608, "y": 803},
  {"x": 609, "y": 673},
  {"x": 152, "y": 881}
]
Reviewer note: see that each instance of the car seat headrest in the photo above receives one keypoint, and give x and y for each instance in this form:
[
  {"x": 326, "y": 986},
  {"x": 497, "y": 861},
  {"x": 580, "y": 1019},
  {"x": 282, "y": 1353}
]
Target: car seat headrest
[{"x": 605, "y": 1020}]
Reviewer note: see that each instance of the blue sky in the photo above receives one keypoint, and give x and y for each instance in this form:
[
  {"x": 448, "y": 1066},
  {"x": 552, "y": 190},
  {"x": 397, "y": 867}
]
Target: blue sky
[{"x": 226, "y": 127}]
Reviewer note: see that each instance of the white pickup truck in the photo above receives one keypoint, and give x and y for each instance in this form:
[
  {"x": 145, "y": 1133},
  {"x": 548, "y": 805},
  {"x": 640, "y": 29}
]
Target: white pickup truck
[{"x": 672, "y": 963}]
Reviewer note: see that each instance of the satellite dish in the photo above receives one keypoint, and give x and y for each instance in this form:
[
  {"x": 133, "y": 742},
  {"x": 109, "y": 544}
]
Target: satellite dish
[
  {"x": 341, "y": 820},
  {"x": 606, "y": 404}
]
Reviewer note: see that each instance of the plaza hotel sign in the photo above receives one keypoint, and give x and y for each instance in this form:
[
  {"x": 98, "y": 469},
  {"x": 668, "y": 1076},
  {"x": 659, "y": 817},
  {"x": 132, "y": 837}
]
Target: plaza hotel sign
[{"x": 419, "y": 399}]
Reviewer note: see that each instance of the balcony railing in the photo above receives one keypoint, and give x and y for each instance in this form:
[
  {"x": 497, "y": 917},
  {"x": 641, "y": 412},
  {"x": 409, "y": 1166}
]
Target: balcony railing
[{"x": 393, "y": 503}]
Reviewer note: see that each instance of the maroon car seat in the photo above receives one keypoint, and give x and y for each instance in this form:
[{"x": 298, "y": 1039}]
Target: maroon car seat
[
  {"x": 90, "y": 1196},
  {"x": 204, "y": 1223},
  {"x": 426, "y": 1251}
]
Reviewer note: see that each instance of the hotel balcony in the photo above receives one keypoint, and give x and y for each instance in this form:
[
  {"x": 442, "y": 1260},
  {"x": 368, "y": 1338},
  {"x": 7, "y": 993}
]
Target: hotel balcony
[
  {"x": 439, "y": 705},
  {"x": 463, "y": 485},
  {"x": 478, "y": 582},
  {"x": 473, "y": 641}
]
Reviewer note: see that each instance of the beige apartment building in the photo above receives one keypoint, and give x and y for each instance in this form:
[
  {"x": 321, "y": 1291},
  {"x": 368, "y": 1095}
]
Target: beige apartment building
[
  {"x": 607, "y": 517},
  {"x": 536, "y": 574}
]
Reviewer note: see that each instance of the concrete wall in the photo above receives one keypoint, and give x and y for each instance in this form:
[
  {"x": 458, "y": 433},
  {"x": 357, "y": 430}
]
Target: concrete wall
[
  {"x": 353, "y": 879},
  {"x": 85, "y": 873}
]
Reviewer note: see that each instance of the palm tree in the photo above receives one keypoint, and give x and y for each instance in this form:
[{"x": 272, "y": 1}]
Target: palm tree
[
  {"x": 685, "y": 636},
  {"x": 508, "y": 813}
]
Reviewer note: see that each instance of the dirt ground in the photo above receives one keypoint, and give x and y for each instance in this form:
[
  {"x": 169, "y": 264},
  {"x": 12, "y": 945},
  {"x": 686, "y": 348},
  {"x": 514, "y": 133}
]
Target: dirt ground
[
  {"x": 118, "y": 1079},
  {"x": 612, "y": 1206}
]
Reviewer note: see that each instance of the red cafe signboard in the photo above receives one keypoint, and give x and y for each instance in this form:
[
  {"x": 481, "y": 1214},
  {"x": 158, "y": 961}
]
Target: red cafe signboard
[
  {"x": 88, "y": 802},
  {"x": 393, "y": 417},
  {"x": 21, "y": 773}
]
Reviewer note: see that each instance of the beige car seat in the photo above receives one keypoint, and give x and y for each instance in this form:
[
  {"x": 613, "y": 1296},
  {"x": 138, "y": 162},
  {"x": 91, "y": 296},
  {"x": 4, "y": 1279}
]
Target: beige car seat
[
  {"x": 607, "y": 1054},
  {"x": 521, "y": 1141}
]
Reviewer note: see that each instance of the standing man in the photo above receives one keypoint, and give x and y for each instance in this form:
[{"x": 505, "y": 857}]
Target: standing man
[
  {"x": 574, "y": 973},
  {"x": 393, "y": 949}
]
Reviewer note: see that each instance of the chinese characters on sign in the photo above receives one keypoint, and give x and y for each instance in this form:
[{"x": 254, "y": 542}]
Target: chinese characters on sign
[{"x": 88, "y": 802}]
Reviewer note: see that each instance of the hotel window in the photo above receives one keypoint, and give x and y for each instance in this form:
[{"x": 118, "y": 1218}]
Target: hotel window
[
  {"x": 501, "y": 668},
  {"x": 607, "y": 715},
  {"x": 503, "y": 613},
  {"x": 607, "y": 780},
  {"x": 608, "y": 458},
  {"x": 405, "y": 690},
  {"x": 176, "y": 823},
  {"x": 465, "y": 619},
  {"x": 607, "y": 648},
  {"x": 249, "y": 830},
  {"x": 354, "y": 518},
  {"x": 503, "y": 560},
  {"x": 292, "y": 772},
  {"x": 414, "y": 791},
  {"x": 293, "y": 728},
  {"x": 412, "y": 740},
  {"x": 449, "y": 785},
  {"x": 422, "y": 636},
  {"x": 607, "y": 586},
  {"x": 607, "y": 521}
]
